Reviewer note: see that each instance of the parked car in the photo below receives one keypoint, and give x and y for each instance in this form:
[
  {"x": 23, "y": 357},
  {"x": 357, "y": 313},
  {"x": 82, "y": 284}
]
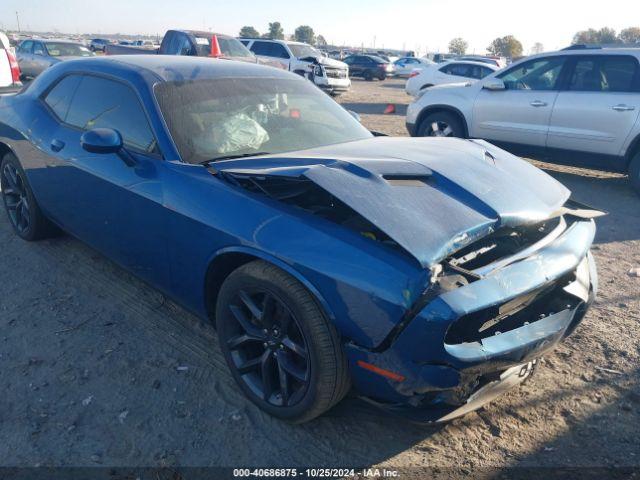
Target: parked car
[
  {"x": 9, "y": 69},
  {"x": 444, "y": 73},
  {"x": 145, "y": 44},
  {"x": 405, "y": 66},
  {"x": 192, "y": 43},
  {"x": 99, "y": 44},
  {"x": 260, "y": 204},
  {"x": 574, "y": 106},
  {"x": 499, "y": 62},
  {"x": 368, "y": 67},
  {"x": 329, "y": 74},
  {"x": 34, "y": 56}
]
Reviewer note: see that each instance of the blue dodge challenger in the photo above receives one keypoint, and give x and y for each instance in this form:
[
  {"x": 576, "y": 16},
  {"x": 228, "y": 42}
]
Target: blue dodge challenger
[{"x": 428, "y": 275}]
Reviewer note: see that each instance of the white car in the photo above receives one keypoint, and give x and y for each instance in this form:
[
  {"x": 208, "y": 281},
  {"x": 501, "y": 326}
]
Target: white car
[
  {"x": 328, "y": 74},
  {"x": 9, "y": 69},
  {"x": 405, "y": 66},
  {"x": 448, "y": 72},
  {"x": 576, "y": 106}
]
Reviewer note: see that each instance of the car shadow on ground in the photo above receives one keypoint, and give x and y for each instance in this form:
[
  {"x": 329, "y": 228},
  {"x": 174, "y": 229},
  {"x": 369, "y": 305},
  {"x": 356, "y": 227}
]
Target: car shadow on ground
[
  {"x": 375, "y": 108},
  {"x": 613, "y": 402},
  {"x": 397, "y": 86},
  {"x": 610, "y": 193}
]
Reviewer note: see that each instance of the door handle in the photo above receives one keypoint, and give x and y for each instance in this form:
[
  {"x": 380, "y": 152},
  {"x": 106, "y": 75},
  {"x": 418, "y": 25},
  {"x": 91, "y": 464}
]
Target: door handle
[
  {"x": 623, "y": 108},
  {"x": 538, "y": 103},
  {"x": 57, "y": 145}
]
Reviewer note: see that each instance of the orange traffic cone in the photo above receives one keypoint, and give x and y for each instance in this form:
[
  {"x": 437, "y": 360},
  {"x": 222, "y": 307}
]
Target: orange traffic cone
[
  {"x": 391, "y": 108},
  {"x": 215, "y": 47}
]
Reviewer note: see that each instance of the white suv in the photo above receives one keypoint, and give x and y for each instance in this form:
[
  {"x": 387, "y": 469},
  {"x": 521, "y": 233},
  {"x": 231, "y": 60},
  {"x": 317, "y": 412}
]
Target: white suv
[
  {"x": 576, "y": 106},
  {"x": 329, "y": 74},
  {"x": 9, "y": 70}
]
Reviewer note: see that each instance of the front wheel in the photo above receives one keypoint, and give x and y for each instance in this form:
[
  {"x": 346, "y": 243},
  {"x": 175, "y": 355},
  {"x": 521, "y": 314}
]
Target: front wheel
[
  {"x": 25, "y": 215},
  {"x": 282, "y": 351},
  {"x": 441, "y": 124}
]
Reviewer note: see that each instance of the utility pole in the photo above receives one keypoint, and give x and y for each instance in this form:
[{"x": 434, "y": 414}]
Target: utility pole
[{"x": 18, "y": 21}]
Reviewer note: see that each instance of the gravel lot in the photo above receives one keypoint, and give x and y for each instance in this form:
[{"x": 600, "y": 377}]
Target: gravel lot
[{"x": 99, "y": 369}]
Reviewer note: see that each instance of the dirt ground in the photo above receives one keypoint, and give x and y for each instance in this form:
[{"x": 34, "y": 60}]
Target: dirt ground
[{"x": 97, "y": 369}]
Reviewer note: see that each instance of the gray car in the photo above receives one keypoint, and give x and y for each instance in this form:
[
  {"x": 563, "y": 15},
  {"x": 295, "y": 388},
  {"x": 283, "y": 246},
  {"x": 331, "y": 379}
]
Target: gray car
[{"x": 35, "y": 56}]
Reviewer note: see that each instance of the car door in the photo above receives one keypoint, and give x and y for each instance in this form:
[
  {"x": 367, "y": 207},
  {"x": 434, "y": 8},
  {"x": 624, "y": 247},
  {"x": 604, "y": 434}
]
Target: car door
[
  {"x": 114, "y": 207},
  {"x": 262, "y": 49},
  {"x": 520, "y": 113},
  {"x": 25, "y": 58},
  {"x": 599, "y": 106},
  {"x": 40, "y": 58}
]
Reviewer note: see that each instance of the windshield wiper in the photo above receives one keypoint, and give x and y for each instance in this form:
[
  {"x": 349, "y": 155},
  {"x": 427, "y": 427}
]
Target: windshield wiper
[{"x": 239, "y": 155}]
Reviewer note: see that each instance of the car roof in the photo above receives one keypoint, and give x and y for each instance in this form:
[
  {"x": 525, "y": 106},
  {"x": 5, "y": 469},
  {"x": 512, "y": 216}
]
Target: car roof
[
  {"x": 171, "y": 68},
  {"x": 202, "y": 33},
  {"x": 53, "y": 40},
  {"x": 593, "y": 51},
  {"x": 470, "y": 62}
]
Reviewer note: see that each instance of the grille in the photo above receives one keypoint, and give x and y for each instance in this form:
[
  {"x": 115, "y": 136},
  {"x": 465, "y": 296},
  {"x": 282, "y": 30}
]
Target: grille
[
  {"x": 336, "y": 73},
  {"x": 515, "y": 313}
]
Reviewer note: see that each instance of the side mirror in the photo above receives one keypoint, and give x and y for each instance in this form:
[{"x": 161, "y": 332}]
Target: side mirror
[
  {"x": 354, "y": 115},
  {"x": 105, "y": 140},
  {"x": 494, "y": 85},
  {"x": 101, "y": 140}
]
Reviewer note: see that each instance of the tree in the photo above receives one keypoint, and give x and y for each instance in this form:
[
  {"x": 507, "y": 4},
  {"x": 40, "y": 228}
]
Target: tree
[
  {"x": 507, "y": 46},
  {"x": 320, "y": 41},
  {"x": 249, "y": 32},
  {"x": 275, "y": 31},
  {"x": 458, "y": 46},
  {"x": 304, "y": 33},
  {"x": 603, "y": 36},
  {"x": 630, "y": 35},
  {"x": 537, "y": 48}
]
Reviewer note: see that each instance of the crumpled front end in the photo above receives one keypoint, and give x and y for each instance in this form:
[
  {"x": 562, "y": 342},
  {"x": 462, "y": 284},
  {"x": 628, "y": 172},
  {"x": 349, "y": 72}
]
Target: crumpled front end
[{"x": 482, "y": 323}]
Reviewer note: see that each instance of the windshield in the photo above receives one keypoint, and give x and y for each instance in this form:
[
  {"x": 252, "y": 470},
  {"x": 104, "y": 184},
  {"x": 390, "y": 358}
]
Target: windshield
[
  {"x": 67, "y": 50},
  {"x": 215, "y": 118},
  {"x": 303, "y": 51},
  {"x": 230, "y": 47}
]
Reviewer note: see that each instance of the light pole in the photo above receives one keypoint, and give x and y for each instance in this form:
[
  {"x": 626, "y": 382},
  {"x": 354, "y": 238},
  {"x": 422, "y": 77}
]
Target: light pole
[{"x": 18, "y": 21}]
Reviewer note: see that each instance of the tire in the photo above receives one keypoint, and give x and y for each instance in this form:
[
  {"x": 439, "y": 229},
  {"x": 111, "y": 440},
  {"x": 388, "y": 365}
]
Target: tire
[
  {"x": 448, "y": 125},
  {"x": 382, "y": 76},
  {"x": 634, "y": 172},
  {"x": 254, "y": 302},
  {"x": 368, "y": 76},
  {"x": 24, "y": 214}
]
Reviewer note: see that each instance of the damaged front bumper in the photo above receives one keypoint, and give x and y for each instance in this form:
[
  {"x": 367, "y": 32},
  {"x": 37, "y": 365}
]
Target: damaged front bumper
[{"x": 469, "y": 344}]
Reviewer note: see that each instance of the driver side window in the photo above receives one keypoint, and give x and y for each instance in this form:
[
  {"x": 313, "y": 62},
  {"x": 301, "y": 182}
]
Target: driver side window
[{"x": 538, "y": 74}]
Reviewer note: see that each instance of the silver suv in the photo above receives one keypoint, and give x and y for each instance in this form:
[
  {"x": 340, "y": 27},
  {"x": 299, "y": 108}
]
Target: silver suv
[
  {"x": 330, "y": 75},
  {"x": 575, "y": 106}
]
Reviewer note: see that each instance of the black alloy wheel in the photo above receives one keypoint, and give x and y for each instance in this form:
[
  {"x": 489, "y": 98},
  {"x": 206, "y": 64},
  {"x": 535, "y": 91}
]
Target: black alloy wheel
[
  {"x": 15, "y": 197},
  {"x": 23, "y": 211},
  {"x": 268, "y": 349},
  {"x": 283, "y": 352}
]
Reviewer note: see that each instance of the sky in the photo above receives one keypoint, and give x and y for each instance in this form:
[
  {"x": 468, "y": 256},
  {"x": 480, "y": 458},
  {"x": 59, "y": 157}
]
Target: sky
[{"x": 421, "y": 25}]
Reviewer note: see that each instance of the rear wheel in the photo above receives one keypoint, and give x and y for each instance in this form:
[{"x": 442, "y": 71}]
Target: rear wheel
[
  {"x": 441, "y": 124},
  {"x": 25, "y": 215},
  {"x": 368, "y": 76},
  {"x": 634, "y": 172},
  {"x": 283, "y": 353},
  {"x": 382, "y": 76}
]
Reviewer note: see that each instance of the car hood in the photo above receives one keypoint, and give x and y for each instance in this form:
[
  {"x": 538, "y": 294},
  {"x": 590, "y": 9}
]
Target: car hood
[
  {"x": 432, "y": 196},
  {"x": 330, "y": 62}
]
